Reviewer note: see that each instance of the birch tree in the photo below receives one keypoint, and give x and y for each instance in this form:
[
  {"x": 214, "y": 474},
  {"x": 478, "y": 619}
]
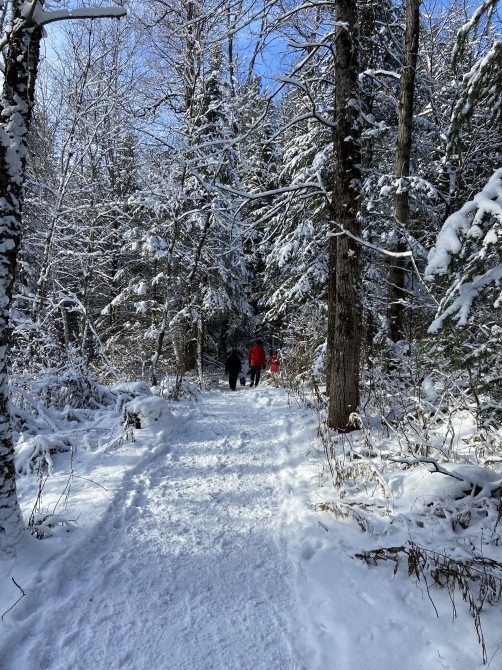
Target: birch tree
[{"x": 21, "y": 43}]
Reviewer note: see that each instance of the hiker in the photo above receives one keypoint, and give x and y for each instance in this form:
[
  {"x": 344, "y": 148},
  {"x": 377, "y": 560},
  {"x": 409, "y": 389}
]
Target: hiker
[
  {"x": 273, "y": 363},
  {"x": 232, "y": 368},
  {"x": 256, "y": 360}
]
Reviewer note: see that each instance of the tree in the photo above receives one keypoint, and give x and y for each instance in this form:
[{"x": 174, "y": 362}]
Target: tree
[
  {"x": 22, "y": 42},
  {"x": 465, "y": 260},
  {"x": 296, "y": 266},
  {"x": 81, "y": 170},
  {"x": 402, "y": 166},
  {"x": 344, "y": 289},
  {"x": 467, "y": 324},
  {"x": 202, "y": 284}
]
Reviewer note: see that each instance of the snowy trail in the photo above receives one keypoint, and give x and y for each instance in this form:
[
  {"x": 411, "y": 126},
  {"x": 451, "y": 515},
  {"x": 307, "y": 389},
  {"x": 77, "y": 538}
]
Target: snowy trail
[
  {"x": 201, "y": 546},
  {"x": 190, "y": 570}
]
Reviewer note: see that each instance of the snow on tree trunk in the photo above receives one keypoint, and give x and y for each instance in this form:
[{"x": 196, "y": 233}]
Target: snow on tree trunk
[
  {"x": 403, "y": 159},
  {"x": 344, "y": 298},
  {"x": 17, "y": 97}
]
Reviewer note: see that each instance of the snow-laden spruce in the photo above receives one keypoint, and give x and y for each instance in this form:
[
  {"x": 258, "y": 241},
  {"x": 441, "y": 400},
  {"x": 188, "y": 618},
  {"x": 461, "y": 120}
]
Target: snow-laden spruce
[{"x": 468, "y": 251}]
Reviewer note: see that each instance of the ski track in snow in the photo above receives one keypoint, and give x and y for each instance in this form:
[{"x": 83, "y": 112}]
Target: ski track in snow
[{"x": 190, "y": 570}]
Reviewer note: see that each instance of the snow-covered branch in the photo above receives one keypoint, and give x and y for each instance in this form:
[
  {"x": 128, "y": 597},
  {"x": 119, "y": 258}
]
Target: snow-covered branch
[
  {"x": 487, "y": 7},
  {"x": 33, "y": 11},
  {"x": 369, "y": 245},
  {"x": 379, "y": 73},
  {"x": 42, "y": 18},
  {"x": 465, "y": 223}
]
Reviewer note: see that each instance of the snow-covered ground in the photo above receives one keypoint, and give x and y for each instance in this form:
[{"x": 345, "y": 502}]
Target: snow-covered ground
[{"x": 197, "y": 546}]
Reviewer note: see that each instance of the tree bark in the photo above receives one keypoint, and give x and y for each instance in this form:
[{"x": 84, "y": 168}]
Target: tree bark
[
  {"x": 344, "y": 290},
  {"x": 16, "y": 105},
  {"x": 397, "y": 270}
]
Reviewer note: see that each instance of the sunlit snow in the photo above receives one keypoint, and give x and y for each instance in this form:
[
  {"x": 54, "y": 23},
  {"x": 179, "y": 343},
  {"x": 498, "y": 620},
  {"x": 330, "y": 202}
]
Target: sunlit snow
[{"x": 192, "y": 543}]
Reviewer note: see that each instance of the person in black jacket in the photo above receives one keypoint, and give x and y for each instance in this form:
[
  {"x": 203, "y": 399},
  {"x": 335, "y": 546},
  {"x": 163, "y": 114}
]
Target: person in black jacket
[{"x": 232, "y": 368}]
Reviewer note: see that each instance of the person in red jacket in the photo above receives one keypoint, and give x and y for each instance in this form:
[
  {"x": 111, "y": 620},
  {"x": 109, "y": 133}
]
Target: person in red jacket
[
  {"x": 256, "y": 360},
  {"x": 274, "y": 363}
]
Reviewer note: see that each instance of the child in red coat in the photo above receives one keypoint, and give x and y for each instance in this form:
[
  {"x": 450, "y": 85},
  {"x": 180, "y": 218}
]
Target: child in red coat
[{"x": 274, "y": 363}]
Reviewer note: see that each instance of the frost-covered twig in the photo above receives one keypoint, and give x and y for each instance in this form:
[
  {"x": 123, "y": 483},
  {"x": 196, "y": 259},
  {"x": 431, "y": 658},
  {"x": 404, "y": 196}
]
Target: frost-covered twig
[
  {"x": 20, "y": 598},
  {"x": 430, "y": 461}
]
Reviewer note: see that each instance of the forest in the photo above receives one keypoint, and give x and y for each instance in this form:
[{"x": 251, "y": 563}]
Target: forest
[{"x": 179, "y": 177}]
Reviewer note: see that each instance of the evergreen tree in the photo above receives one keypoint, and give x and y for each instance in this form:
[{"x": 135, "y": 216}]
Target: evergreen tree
[{"x": 467, "y": 325}]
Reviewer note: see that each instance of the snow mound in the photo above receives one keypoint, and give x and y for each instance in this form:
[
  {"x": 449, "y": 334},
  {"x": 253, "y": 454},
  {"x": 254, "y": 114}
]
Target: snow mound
[
  {"x": 133, "y": 388},
  {"x": 152, "y": 413},
  {"x": 425, "y": 485},
  {"x": 35, "y": 452}
]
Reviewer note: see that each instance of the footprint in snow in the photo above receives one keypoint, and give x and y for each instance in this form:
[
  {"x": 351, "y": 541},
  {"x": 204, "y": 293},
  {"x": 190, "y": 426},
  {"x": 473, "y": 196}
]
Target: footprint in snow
[{"x": 308, "y": 551}]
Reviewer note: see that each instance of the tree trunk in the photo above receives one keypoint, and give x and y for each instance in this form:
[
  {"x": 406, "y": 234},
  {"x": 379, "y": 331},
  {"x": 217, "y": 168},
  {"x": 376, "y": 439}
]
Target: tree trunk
[
  {"x": 16, "y": 105},
  {"x": 397, "y": 271},
  {"x": 200, "y": 350},
  {"x": 344, "y": 304},
  {"x": 165, "y": 312}
]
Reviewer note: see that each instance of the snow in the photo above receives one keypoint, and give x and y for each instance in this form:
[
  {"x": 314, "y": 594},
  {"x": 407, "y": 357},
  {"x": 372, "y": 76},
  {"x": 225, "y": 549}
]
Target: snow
[
  {"x": 457, "y": 225},
  {"x": 196, "y": 542},
  {"x": 43, "y": 18},
  {"x": 132, "y": 388},
  {"x": 154, "y": 414},
  {"x": 460, "y": 307}
]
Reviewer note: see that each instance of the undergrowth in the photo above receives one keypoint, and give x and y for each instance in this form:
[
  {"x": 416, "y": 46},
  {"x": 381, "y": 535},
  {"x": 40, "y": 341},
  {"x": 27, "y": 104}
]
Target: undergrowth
[
  {"x": 60, "y": 414},
  {"x": 419, "y": 431},
  {"x": 478, "y": 580}
]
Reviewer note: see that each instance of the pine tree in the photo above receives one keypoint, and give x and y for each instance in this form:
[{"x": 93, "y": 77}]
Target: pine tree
[{"x": 467, "y": 325}]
